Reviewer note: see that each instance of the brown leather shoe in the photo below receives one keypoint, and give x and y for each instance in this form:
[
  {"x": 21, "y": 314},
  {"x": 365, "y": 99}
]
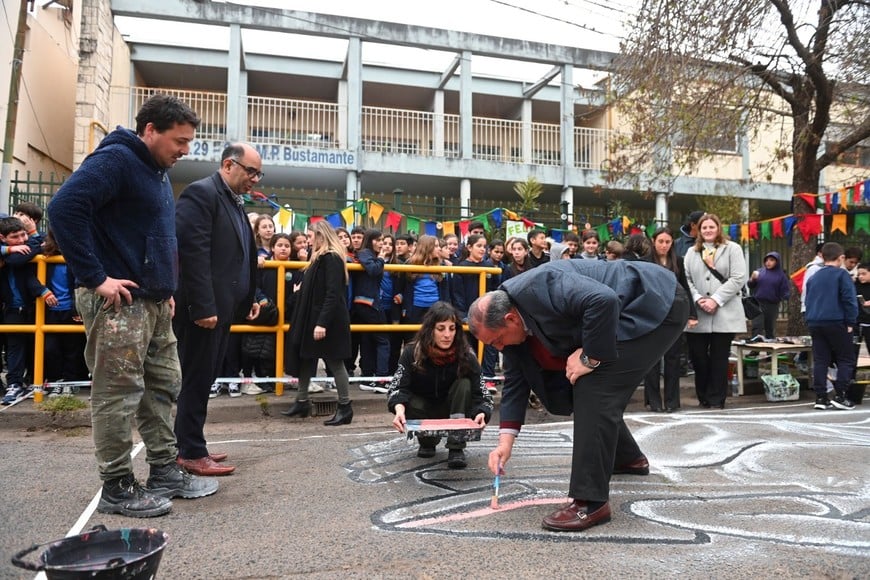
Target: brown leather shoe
[
  {"x": 639, "y": 466},
  {"x": 573, "y": 517},
  {"x": 218, "y": 457},
  {"x": 205, "y": 466}
]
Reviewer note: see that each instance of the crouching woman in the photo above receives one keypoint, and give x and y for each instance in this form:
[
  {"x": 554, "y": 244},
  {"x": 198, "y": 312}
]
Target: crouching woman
[{"x": 438, "y": 377}]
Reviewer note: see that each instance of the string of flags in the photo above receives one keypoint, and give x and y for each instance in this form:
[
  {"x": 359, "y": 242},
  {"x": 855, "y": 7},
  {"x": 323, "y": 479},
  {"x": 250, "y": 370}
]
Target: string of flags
[{"x": 845, "y": 210}]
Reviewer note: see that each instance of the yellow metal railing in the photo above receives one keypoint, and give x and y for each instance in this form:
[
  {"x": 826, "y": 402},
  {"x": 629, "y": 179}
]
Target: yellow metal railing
[{"x": 39, "y": 328}]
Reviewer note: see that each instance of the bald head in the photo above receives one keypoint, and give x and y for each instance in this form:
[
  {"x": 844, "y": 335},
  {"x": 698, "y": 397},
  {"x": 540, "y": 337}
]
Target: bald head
[{"x": 241, "y": 167}]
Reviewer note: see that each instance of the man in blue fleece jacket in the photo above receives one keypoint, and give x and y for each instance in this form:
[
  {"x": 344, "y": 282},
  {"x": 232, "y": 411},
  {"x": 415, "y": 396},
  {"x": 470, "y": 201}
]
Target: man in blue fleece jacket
[{"x": 114, "y": 220}]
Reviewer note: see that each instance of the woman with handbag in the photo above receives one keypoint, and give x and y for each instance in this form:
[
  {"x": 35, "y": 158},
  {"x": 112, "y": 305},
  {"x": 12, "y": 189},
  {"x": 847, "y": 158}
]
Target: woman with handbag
[{"x": 716, "y": 273}]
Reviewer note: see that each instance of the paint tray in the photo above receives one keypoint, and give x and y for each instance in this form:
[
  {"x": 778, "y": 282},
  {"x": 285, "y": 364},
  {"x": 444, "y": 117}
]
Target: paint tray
[{"x": 458, "y": 429}]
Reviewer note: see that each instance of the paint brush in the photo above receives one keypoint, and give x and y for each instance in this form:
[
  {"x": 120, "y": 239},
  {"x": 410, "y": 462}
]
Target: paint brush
[{"x": 493, "y": 503}]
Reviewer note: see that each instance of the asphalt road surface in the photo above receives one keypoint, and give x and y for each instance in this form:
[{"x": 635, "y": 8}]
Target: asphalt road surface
[{"x": 763, "y": 490}]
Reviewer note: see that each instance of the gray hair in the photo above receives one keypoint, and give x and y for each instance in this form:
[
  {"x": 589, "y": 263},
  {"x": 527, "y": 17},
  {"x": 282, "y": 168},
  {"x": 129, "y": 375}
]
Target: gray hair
[{"x": 498, "y": 304}]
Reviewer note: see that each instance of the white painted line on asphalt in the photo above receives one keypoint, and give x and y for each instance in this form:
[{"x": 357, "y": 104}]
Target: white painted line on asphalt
[{"x": 89, "y": 511}]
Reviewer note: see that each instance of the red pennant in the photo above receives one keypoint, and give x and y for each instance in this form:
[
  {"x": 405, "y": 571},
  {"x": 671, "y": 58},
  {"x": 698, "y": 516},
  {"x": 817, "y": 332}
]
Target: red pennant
[
  {"x": 393, "y": 220},
  {"x": 463, "y": 228},
  {"x": 809, "y": 198},
  {"x": 315, "y": 218},
  {"x": 777, "y": 228},
  {"x": 828, "y": 203},
  {"x": 798, "y": 278},
  {"x": 753, "y": 230},
  {"x": 809, "y": 225}
]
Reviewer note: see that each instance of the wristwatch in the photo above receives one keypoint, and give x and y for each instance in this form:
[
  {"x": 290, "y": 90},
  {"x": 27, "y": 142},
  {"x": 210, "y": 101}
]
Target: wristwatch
[{"x": 584, "y": 360}]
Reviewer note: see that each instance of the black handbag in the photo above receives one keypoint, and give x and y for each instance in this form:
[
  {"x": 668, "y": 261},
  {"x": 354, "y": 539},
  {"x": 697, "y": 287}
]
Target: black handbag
[{"x": 751, "y": 305}]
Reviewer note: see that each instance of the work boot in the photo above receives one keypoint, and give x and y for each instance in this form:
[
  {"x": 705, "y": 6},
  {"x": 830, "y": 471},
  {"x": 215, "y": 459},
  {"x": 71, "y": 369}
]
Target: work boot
[
  {"x": 125, "y": 496},
  {"x": 298, "y": 409},
  {"x": 456, "y": 459},
  {"x": 171, "y": 481},
  {"x": 343, "y": 415}
]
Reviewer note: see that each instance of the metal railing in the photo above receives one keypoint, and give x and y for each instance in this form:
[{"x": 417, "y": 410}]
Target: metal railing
[
  {"x": 293, "y": 122},
  {"x": 39, "y": 328},
  {"x": 211, "y": 108}
]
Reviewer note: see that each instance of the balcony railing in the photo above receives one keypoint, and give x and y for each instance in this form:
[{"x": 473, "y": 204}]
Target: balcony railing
[{"x": 276, "y": 121}]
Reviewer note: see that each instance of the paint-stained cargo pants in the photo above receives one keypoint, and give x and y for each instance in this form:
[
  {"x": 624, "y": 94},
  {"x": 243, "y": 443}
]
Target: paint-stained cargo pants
[{"x": 133, "y": 358}]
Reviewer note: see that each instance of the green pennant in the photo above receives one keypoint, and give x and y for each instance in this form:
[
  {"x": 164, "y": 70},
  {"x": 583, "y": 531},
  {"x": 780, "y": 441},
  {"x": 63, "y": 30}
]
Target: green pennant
[
  {"x": 361, "y": 207},
  {"x": 862, "y": 222},
  {"x": 300, "y": 221},
  {"x": 413, "y": 224},
  {"x": 765, "y": 231},
  {"x": 603, "y": 233}
]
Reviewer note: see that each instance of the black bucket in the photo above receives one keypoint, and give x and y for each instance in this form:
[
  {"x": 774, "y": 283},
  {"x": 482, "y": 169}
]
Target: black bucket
[{"x": 128, "y": 554}]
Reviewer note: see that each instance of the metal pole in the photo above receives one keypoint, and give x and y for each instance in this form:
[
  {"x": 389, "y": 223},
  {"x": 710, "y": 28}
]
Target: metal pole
[{"x": 12, "y": 109}]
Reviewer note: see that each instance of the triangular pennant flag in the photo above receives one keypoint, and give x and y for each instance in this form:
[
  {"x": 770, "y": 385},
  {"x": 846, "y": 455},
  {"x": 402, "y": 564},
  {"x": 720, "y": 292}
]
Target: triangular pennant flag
[
  {"x": 790, "y": 221},
  {"x": 856, "y": 193},
  {"x": 828, "y": 202},
  {"x": 867, "y": 191},
  {"x": 300, "y": 221},
  {"x": 777, "y": 228},
  {"x": 413, "y": 224},
  {"x": 732, "y": 231},
  {"x": 496, "y": 217},
  {"x": 753, "y": 230},
  {"x": 347, "y": 214},
  {"x": 316, "y": 218},
  {"x": 335, "y": 219},
  {"x": 844, "y": 199},
  {"x": 529, "y": 223},
  {"x": 810, "y": 225},
  {"x": 463, "y": 228},
  {"x": 744, "y": 232},
  {"x": 603, "y": 233},
  {"x": 284, "y": 216},
  {"x": 616, "y": 224},
  {"x": 511, "y": 215},
  {"x": 625, "y": 223},
  {"x": 765, "y": 230},
  {"x": 556, "y": 235},
  {"x": 431, "y": 228},
  {"x": 393, "y": 220},
  {"x": 375, "y": 211},
  {"x": 838, "y": 222},
  {"x": 862, "y": 221},
  {"x": 449, "y": 228},
  {"x": 809, "y": 198},
  {"x": 798, "y": 278},
  {"x": 360, "y": 206}
]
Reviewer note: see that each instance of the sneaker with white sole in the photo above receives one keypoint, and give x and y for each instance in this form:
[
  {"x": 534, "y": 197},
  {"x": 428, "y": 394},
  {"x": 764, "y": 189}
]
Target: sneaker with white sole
[
  {"x": 215, "y": 390},
  {"x": 56, "y": 391},
  {"x": 14, "y": 392},
  {"x": 374, "y": 388},
  {"x": 252, "y": 389},
  {"x": 234, "y": 390},
  {"x": 842, "y": 403},
  {"x": 315, "y": 388},
  {"x": 822, "y": 404}
]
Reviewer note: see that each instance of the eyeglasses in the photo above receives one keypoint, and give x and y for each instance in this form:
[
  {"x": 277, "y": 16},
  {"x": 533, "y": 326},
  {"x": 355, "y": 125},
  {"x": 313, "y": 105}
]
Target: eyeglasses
[{"x": 251, "y": 171}]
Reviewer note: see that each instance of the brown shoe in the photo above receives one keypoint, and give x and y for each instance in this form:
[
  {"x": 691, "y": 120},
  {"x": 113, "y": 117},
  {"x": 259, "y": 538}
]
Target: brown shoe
[
  {"x": 639, "y": 466},
  {"x": 204, "y": 466},
  {"x": 574, "y": 517},
  {"x": 218, "y": 457}
]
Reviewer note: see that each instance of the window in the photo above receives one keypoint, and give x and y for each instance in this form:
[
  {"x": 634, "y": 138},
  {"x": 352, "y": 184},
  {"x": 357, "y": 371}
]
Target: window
[{"x": 857, "y": 156}]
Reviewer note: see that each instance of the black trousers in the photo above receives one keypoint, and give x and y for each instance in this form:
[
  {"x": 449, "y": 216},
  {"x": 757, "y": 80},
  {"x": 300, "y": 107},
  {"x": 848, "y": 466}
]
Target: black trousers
[
  {"x": 601, "y": 438},
  {"x": 201, "y": 352},
  {"x": 709, "y": 352},
  {"x": 652, "y": 393}
]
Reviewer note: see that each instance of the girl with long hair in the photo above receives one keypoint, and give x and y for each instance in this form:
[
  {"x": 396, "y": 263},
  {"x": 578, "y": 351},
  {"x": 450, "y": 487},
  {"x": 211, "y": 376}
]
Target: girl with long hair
[{"x": 438, "y": 377}]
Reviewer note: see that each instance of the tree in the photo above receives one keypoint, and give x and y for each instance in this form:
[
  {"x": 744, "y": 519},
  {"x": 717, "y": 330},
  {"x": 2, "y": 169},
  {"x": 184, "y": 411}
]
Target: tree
[
  {"x": 694, "y": 74},
  {"x": 528, "y": 191}
]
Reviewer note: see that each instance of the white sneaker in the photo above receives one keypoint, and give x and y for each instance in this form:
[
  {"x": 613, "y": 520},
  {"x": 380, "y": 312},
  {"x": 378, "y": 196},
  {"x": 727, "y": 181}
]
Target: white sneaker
[
  {"x": 234, "y": 390},
  {"x": 215, "y": 390},
  {"x": 315, "y": 388},
  {"x": 252, "y": 389}
]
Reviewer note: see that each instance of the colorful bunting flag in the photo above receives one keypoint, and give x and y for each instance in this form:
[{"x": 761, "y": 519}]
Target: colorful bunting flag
[
  {"x": 375, "y": 211},
  {"x": 838, "y": 222},
  {"x": 347, "y": 215}
]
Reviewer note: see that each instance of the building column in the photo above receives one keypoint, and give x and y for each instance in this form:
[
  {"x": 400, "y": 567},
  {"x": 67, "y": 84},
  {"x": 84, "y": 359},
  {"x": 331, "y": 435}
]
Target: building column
[
  {"x": 526, "y": 131},
  {"x": 94, "y": 77},
  {"x": 568, "y": 199},
  {"x": 661, "y": 210},
  {"x": 237, "y": 88},
  {"x": 438, "y": 124},
  {"x": 465, "y": 197},
  {"x": 465, "y": 121},
  {"x": 566, "y": 132},
  {"x": 351, "y": 187}
]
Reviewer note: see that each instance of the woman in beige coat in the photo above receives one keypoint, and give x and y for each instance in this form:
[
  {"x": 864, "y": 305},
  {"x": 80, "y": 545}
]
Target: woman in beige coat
[{"x": 716, "y": 272}]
